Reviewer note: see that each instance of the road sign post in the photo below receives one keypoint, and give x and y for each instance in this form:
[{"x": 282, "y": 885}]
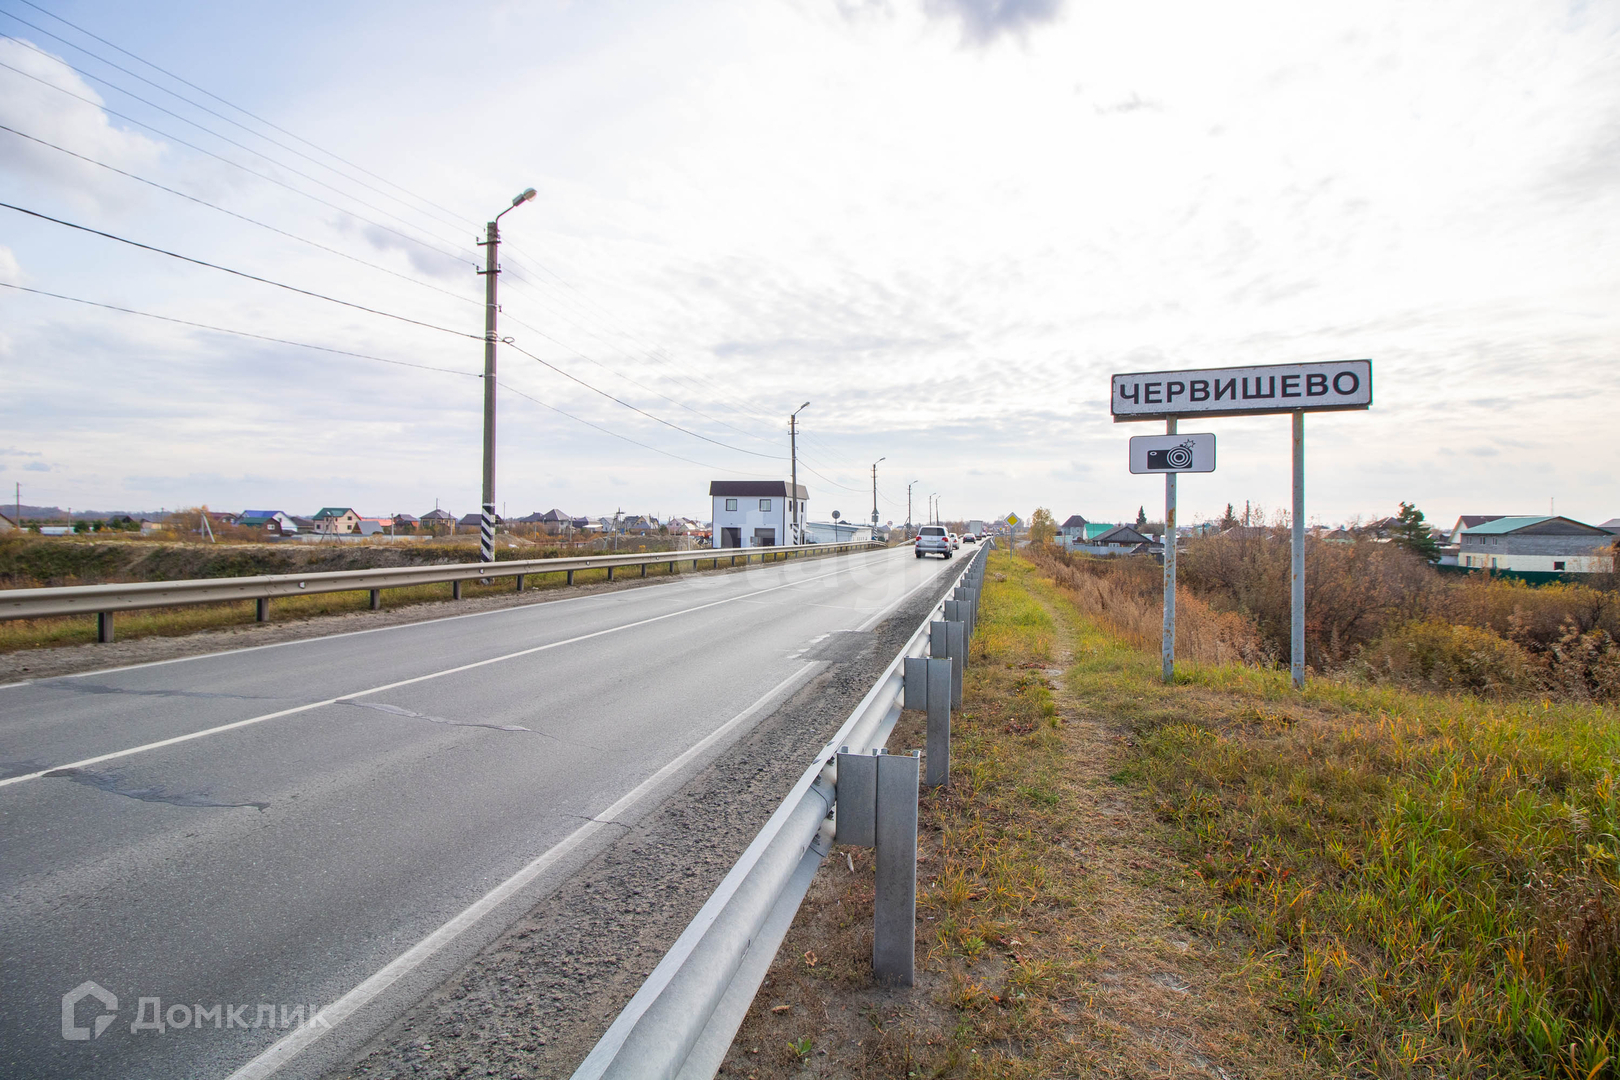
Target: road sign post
[{"x": 1236, "y": 391}]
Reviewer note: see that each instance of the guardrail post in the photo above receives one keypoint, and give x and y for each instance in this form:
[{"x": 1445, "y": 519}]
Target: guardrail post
[
  {"x": 104, "y": 626},
  {"x": 672, "y": 566},
  {"x": 855, "y": 805},
  {"x": 570, "y": 577},
  {"x": 520, "y": 583},
  {"x": 914, "y": 683},
  {"x": 610, "y": 573},
  {"x": 939, "y": 721},
  {"x": 261, "y": 609},
  {"x": 894, "y": 921},
  {"x": 376, "y": 599},
  {"x": 946, "y": 639},
  {"x": 455, "y": 589}
]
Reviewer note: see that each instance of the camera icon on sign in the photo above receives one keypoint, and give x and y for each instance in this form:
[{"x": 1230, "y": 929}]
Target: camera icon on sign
[{"x": 1173, "y": 457}]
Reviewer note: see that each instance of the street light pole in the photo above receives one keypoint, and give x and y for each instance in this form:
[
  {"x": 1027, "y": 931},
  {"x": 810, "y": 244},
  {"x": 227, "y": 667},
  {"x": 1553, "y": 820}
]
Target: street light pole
[
  {"x": 492, "y": 240},
  {"x": 874, "y": 492},
  {"x": 793, "y": 496}
]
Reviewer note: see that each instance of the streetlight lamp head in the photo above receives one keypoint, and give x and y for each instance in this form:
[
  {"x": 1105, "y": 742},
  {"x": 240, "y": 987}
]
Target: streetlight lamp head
[{"x": 528, "y": 193}]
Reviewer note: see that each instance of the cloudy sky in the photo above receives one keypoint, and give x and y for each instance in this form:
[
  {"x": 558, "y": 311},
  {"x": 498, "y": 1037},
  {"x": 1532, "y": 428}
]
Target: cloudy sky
[{"x": 943, "y": 222}]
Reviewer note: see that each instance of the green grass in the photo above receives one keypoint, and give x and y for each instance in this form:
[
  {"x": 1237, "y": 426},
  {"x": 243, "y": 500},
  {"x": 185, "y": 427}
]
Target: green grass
[{"x": 1432, "y": 877}]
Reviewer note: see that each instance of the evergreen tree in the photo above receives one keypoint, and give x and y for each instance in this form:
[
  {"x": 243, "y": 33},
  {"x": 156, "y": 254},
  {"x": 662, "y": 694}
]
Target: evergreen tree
[
  {"x": 1229, "y": 519},
  {"x": 1411, "y": 532},
  {"x": 1141, "y": 517}
]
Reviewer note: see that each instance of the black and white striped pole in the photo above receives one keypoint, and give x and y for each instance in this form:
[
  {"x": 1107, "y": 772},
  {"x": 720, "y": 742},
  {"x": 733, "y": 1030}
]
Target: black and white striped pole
[{"x": 492, "y": 240}]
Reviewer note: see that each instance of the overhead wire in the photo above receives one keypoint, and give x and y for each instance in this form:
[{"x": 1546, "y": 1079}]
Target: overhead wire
[
  {"x": 206, "y": 129},
  {"x": 679, "y": 375},
  {"x": 243, "y": 111},
  {"x": 235, "y": 164},
  {"x": 242, "y": 273},
  {"x": 607, "y": 431},
  {"x": 198, "y": 105},
  {"x": 238, "y": 333},
  {"x": 620, "y": 401},
  {"x": 243, "y": 217}
]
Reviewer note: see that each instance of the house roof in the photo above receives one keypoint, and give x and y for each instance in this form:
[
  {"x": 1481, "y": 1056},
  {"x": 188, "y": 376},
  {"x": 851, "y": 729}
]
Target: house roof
[
  {"x": 1613, "y": 524},
  {"x": 334, "y": 511},
  {"x": 1074, "y": 521},
  {"x": 1121, "y": 534},
  {"x": 754, "y": 487},
  {"x": 438, "y": 515},
  {"x": 1469, "y": 521},
  {"x": 1543, "y": 525},
  {"x": 260, "y": 514},
  {"x": 400, "y": 519}
]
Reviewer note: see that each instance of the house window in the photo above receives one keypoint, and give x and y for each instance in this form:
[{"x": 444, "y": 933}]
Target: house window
[
  {"x": 765, "y": 506},
  {"x": 1558, "y": 565},
  {"x": 731, "y": 504}
]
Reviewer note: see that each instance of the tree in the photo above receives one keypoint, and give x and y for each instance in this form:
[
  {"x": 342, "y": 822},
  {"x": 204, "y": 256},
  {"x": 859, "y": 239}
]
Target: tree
[
  {"x": 1229, "y": 519},
  {"x": 1411, "y": 532},
  {"x": 1141, "y": 517},
  {"x": 1042, "y": 526}
]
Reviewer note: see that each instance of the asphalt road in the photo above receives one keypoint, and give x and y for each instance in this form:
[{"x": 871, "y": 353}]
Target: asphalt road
[{"x": 337, "y": 823}]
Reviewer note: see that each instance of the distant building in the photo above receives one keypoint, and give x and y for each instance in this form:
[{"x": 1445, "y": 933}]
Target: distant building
[
  {"x": 337, "y": 519},
  {"x": 836, "y": 532},
  {"x": 1116, "y": 540},
  {"x": 1546, "y": 544},
  {"x": 269, "y": 522},
  {"x": 1071, "y": 532},
  {"x": 754, "y": 513},
  {"x": 6, "y": 524},
  {"x": 437, "y": 518}
]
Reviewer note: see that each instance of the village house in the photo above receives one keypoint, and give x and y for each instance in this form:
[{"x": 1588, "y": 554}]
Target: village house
[
  {"x": 1543, "y": 544},
  {"x": 336, "y": 519},
  {"x": 269, "y": 522},
  {"x": 754, "y": 513}
]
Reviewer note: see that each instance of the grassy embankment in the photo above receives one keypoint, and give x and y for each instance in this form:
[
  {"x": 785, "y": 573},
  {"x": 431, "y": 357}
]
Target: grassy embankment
[{"x": 1127, "y": 878}]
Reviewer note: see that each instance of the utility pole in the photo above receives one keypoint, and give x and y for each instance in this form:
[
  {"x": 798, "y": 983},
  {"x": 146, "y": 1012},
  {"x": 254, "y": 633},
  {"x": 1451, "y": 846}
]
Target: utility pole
[
  {"x": 874, "y": 492},
  {"x": 793, "y": 496},
  {"x": 492, "y": 240},
  {"x": 908, "y": 508}
]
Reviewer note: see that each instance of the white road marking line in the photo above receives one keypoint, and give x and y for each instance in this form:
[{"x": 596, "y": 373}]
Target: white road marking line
[
  {"x": 289, "y": 1046},
  {"x": 607, "y": 596},
  {"x": 402, "y": 682}
]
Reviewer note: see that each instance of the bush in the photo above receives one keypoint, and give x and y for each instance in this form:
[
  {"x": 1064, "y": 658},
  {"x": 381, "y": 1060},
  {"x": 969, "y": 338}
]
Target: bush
[{"x": 1441, "y": 655}]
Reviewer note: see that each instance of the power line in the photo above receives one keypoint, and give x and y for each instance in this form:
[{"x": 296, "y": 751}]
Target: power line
[
  {"x": 626, "y": 404},
  {"x": 234, "y": 164},
  {"x": 238, "y": 333},
  {"x": 616, "y": 435},
  {"x": 204, "y": 108},
  {"x": 203, "y": 128},
  {"x": 239, "y": 109},
  {"x": 243, "y": 217},
  {"x": 242, "y": 273},
  {"x": 635, "y": 382}
]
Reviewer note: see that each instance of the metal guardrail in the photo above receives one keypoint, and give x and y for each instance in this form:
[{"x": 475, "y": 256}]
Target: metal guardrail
[
  {"x": 682, "y": 1020},
  {"x": 104, "y": 600}
]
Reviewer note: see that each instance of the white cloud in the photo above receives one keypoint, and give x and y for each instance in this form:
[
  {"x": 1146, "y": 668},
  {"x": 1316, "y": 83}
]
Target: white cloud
[{"x": 40, "y": 98}]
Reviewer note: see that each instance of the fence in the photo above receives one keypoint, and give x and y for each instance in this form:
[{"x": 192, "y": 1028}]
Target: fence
[
  {"x": 681, "y": 1021},
  {"x": 104, "y": 601}
]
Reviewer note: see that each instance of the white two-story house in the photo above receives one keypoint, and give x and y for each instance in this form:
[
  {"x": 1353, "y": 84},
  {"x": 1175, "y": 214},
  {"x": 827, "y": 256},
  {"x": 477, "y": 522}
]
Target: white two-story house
[{"x": 754, "y": 513}]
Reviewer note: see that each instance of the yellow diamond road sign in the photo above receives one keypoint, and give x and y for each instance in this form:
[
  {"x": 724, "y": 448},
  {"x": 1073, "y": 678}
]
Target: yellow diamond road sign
[{"x": 1012, "y": 519}]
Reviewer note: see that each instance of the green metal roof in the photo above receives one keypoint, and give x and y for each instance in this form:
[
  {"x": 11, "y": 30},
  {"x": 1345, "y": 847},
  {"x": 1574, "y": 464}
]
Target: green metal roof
[
  {"x": 1505, "y": 525},
  {"x": 334, "y": 511}
]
